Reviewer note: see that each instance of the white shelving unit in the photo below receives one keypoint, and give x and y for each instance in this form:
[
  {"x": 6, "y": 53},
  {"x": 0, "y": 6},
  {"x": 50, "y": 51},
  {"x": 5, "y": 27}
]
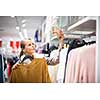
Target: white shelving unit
[
  {"x": 86, "y": 24},
  {"x": 98, "y": 50}
]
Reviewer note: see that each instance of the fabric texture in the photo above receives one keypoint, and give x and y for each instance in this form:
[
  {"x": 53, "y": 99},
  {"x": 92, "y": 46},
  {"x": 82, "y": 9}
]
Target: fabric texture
[
  {"x": 81, "y": 65},
  {"x": 61, "y": 68},
  {"x": 35, "y": 72}
]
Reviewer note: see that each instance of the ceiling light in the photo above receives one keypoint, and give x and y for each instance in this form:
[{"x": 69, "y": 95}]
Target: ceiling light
[
  {"x": 25, "y": 30},
  {"x": 17, "y": 27},
  {"x": 23, "y": 25},
  {"x": 23, "y": 21},
  {"x": 12, "y": 16}
]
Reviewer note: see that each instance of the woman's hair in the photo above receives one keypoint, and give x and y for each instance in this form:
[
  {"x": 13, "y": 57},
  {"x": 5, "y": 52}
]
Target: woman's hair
[{"x": 22, "y": 46}]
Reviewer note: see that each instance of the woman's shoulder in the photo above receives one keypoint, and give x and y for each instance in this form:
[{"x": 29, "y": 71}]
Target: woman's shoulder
[
  {"x": 39, "y": 59},
  {"x": 35, "y": 61}
]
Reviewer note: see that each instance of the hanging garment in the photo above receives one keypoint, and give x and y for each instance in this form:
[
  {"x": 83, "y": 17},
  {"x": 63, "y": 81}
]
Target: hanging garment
[
  {"x": 12, "y": 44},
  {"x": 70, "y": 68},
  {"x": 62, "y": 61},
  {"x": 17, "y": 44},
  {"x": 0, "y": 43},
  {"x": 36, "y": 36},
  {"x": 9, "y": 69},
  {"x": 81, "y": 65},
  {"x": 72, "y": 45},
  {"x": 35, "y": 72},
  {"x": 3, "y": 66},
  {"x": 1, "y": 72},
  {"x": 10, "y": 62},
  {"x": 86, "y": 65}
]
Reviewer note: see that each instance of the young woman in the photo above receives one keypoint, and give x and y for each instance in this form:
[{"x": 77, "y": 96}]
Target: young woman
[{"x": 29, "y": 69}]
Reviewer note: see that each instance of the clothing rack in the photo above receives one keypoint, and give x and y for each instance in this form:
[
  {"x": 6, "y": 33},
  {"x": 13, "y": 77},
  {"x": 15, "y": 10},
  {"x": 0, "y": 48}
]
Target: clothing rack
[
  {"x": 75, "y": 44},
  {"x": 4, "y": 56},
  {"x": 2, "y": 64}
]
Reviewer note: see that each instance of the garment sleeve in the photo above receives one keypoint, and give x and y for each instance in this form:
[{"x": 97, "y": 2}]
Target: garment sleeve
[
  {"x": 45, "y": 73},
  {"x": 70, "y": 67},
  {"x": 54, "y": 59}
]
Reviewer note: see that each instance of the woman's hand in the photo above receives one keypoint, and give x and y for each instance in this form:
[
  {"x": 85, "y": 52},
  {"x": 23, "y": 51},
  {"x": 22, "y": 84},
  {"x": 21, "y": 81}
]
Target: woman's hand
[
  {"x": 15, "y": 65},
  {"x": 58, "y": 32}
]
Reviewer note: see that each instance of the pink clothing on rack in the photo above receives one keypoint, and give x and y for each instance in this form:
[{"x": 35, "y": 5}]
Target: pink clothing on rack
[
  {"x": 70, "y": 71},
  {"x": 86, "y": 64},
  {"x": 81, "y": 65}
]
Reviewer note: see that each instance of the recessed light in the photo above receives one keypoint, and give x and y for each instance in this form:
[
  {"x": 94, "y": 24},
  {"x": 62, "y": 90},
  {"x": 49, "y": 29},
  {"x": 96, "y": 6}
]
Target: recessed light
[
  {"x": 17, "y": 27},
  {"x": 23, "y": 21},
  {"x": 23, "y": 25},
  {"x": 12, "y": 16}
]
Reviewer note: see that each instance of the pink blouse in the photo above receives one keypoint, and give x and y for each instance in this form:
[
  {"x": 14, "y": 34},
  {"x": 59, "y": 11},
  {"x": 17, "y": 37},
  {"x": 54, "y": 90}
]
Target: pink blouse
[{"x": 81, "y": 65}]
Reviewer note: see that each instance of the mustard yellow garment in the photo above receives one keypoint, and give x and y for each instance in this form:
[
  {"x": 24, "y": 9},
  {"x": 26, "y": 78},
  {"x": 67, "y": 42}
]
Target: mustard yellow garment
[{"x": 35, "y": 72}]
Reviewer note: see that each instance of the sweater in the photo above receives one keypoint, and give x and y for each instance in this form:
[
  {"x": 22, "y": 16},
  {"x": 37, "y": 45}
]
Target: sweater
[{"x": 35, "y": 72}]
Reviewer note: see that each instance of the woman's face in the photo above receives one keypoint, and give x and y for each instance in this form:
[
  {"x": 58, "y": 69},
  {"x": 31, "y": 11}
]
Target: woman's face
[{"x": 29, "y": 47}]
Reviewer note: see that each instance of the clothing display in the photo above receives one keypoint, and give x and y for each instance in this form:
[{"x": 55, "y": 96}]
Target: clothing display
[
  {"x": 35, "y": 72},
  {"x": 3, "y": 67},
  {"x": 38, "y": 36},
  {"x": 81, "y": 65},
  {"x": 49, "y": 49},
  {"x": 72, "y": 45},
  {"x": 10, "y": 62},
  {"x": 1, "y": 70}
]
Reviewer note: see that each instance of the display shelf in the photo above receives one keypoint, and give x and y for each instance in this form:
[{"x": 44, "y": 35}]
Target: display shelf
[{"x": 85, "y": 24}]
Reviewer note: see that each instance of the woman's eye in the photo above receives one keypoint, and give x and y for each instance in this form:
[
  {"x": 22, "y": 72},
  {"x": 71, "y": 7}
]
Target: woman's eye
[{"x": 29, "y": 45}]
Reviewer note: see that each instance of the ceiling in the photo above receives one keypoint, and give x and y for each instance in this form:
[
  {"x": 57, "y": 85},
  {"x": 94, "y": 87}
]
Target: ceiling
[
  {"x": 8, "y": 26},
  {"x": 87, "y": 24}
]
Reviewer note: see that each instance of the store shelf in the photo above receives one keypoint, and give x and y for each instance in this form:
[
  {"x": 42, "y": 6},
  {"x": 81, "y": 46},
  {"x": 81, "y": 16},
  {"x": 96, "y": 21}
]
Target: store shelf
[
  {"x": 85, "y": 24},
  {"x": 71, "y": 36}
]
